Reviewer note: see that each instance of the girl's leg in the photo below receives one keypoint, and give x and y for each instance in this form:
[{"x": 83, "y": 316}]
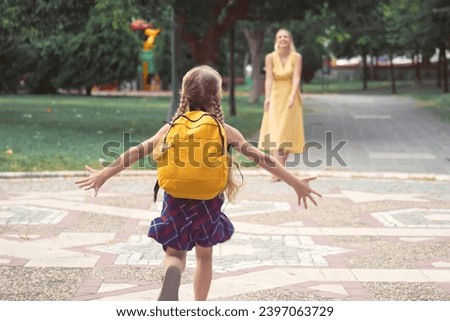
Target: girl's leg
[
  {"x": 174, "y": 264},
  {"x": 175, "y": 258},
  {"x": 203, "y": 272}
]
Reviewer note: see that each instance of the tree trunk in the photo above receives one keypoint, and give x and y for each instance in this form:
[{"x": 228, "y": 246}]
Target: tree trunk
[
  {"x": 438, "y": 69},
  {"x": 255, "y": 40},
  {"x": 375, "y": 69},
  {"x": 232, "y": 76},
  {"x": 175, "y": 49},
  {"x": 418, "y": 78},
  {"x": 364, "y": 71},
  {"x": 392, "y": 71},
  {"x": 445, "y": 68}
]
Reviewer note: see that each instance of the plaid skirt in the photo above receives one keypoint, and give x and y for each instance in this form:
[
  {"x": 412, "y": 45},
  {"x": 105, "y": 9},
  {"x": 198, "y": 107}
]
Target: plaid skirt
[{"x": 184, "y": 223}]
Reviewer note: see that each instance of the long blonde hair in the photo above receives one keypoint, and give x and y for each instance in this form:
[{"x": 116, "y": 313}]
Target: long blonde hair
[
  {"x": 201, "y": 89},
  {"x": 293, "y": 49}
]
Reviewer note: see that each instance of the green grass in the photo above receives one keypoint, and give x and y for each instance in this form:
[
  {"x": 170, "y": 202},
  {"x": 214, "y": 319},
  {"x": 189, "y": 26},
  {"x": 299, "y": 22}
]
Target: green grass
[
  {"x": 432, "y": 98},
  {"x": 65, "y": 132},
  {"x": 441, "y": 105},
  {"x": 316, "y": 86},
  {"x": 47, "y": 133}
]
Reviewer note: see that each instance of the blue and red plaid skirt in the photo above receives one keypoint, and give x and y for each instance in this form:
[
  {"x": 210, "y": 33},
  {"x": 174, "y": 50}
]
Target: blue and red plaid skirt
[{"x": 184, "y": 223}]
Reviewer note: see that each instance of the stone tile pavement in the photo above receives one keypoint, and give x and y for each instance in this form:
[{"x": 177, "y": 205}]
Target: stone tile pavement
[{"x": 369, "y": 239}]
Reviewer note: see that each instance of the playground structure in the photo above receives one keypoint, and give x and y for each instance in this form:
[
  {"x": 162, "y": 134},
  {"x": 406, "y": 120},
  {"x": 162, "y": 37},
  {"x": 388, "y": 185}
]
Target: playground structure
[{"x": 149, "y": 77}]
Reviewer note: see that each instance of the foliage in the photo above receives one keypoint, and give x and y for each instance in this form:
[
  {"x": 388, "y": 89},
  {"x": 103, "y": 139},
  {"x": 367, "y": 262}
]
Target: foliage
[
  {"x": 78, "y": 43},
  {"x": 410, "y": 26},
  {"x": 68, "y": 43},
  {"x": 47, "y": 29},
  {"x": 106, "y": 48},
  {"x": 203, "y": 23},
  {"x": 355, "y": 28}
]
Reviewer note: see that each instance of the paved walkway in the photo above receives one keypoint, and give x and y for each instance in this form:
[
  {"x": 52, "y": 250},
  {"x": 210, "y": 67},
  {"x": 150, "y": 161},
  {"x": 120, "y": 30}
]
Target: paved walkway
[
  {"x": 381, "y": 133},
  {"x": 379, "y": 233}
]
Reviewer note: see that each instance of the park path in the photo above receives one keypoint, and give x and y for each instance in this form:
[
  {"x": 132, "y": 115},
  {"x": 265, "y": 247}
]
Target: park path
[{"x": 382, "y": 133}]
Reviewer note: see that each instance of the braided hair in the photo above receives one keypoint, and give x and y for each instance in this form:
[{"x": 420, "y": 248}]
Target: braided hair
[{"x": 201, "y": 90}]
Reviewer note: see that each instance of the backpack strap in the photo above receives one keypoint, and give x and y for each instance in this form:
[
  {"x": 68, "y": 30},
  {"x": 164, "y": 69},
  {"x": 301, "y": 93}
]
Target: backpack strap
[
  {"x": 219, "y": 125},
  {"x": 156, "y": 187},
  {"x": 155, "y": 191}
]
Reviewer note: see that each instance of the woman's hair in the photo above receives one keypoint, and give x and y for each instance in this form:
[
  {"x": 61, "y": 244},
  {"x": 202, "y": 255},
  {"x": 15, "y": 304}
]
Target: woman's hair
[
  {"x": 290, "y": 37},
  {"x": 201, "y": 89}
]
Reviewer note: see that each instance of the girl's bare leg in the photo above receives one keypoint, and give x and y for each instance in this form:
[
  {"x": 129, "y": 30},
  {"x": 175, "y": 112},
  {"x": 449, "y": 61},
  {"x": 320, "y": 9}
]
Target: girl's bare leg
[
  {"x": 174, "y": 264},
  {"x": 203, "y": 272},
  {"x": 175, "y": 258}
]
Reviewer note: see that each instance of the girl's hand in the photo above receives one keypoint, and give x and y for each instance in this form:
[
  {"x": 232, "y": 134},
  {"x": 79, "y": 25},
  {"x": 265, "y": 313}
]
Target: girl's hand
[
  {"x": 304, "y": 192},
  {"x": 95, "y": 180}
]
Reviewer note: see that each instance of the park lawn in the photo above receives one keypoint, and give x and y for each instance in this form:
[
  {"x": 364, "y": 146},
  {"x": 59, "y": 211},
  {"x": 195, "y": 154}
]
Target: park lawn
[
  {"x": 66, "y": 132},
  {"x": 434, "y": 100},
  {"x": 49, "y": 133}
]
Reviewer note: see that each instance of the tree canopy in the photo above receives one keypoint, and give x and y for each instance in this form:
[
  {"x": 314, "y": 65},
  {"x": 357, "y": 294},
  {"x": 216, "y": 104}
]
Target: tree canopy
[{"x": 81, "y": 43}]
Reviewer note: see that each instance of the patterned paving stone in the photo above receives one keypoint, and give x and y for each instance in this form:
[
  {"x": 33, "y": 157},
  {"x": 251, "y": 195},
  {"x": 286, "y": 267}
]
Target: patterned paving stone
[
  {"x": 369, "y": 239},
  {"x": 415, "y": 217},
  {"x": 30, "y": 215}
]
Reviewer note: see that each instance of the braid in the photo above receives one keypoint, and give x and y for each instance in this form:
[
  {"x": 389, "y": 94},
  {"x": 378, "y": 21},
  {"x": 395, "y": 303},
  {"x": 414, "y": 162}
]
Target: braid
[
  {"x": 183, "y": 106},
  {"x": 218, "y": 110}
]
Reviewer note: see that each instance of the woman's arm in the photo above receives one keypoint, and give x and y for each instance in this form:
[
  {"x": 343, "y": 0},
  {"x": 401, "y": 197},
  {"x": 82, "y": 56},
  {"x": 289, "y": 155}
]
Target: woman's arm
[
  {"x": 268, "y": 81},
  {"x": 98, "y": 177},
  {"x": 269, "y": 163},
  {"x": 296, "y": 78}
]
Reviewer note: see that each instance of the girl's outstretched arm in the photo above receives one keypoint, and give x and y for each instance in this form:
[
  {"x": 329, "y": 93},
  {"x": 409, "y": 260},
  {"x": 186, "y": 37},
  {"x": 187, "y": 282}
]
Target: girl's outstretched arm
[
  {"x": 97, "y": 178},
  {"x": 269, "y": 163}
]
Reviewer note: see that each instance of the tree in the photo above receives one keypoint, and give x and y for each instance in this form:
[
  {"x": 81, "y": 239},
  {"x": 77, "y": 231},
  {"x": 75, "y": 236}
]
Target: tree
[
  {"x": 48, "y": 28},
  {"x": 106, "y": 49},
  {"x": 419, "y": 27},
  {"x": 406, "y": 28},
  {"x": 27, "y": 33},
  {"x": 204, "y": 22},
  {"x": 13, "y": 54},
  {"x": 357, "y": 29},
  {"x": 255, "y": 40},
  {"x": 67, "y": 43},
  {"x": 441, "y": 19}
]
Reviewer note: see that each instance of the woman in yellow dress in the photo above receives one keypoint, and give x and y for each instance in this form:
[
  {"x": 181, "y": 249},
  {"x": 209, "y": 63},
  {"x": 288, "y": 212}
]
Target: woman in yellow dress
[{"x": 282, "y": 130}]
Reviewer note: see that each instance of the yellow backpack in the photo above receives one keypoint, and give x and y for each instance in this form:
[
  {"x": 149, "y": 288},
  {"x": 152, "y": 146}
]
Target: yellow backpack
[{"x": 192, "y": 158}]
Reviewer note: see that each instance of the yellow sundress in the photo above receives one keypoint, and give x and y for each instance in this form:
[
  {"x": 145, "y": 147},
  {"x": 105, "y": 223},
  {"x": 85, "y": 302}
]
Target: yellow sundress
[{"x": 282, "y": 127}]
